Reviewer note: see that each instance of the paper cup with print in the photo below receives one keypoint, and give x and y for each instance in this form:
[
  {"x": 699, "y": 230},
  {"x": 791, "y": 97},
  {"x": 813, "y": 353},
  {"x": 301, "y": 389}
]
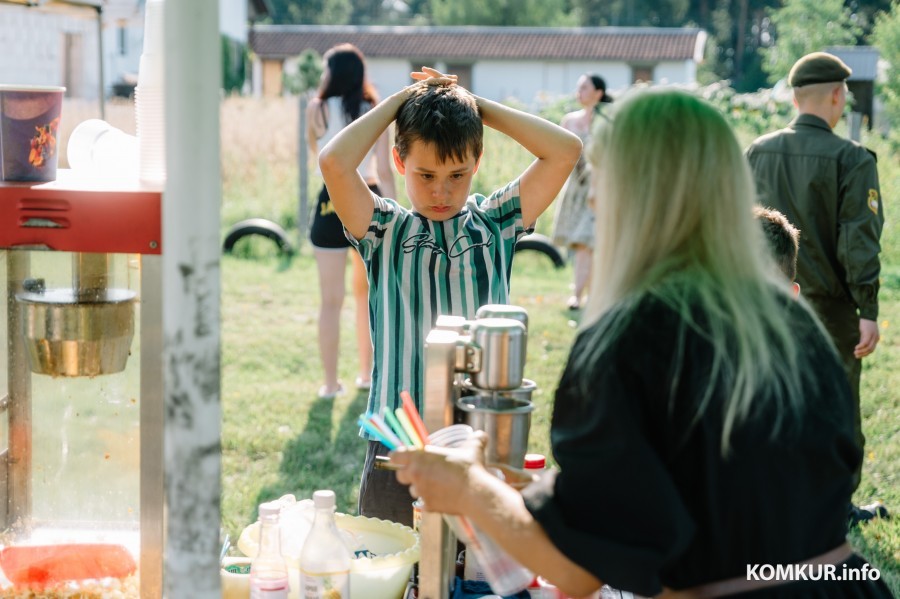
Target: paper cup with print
[{"x": 29, "y": 132}]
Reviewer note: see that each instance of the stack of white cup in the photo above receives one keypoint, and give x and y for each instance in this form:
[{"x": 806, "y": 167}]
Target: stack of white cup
[{"x": 149, "y": 97}]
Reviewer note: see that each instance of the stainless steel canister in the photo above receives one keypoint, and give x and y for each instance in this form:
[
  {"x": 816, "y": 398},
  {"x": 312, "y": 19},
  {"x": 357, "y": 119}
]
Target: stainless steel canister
[
  {"x": 506, "y": 418},
  {"x": 503, "y": 311},
  {"x": 502, "y": 343}
]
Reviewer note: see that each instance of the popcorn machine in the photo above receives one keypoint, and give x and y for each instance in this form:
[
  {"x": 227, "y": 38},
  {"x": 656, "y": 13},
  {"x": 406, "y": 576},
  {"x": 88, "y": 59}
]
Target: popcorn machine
[{"x": 81, "y": 455}]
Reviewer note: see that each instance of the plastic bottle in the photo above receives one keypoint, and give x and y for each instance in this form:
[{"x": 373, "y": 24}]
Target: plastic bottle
[
  {"x": 535, "y": 463},
  {"x": 149, "y": 97},
  {"x": 268, "y": 572},
  {"x": 324, "y": 560}
]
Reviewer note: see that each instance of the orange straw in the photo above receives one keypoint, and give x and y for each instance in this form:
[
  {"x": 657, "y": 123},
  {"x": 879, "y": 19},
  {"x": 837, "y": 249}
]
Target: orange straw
[{"x": 410, "y": 408}]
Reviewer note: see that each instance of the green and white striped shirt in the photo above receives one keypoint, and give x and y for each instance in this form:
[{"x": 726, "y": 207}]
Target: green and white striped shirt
[{"x": 420, "y": 269}]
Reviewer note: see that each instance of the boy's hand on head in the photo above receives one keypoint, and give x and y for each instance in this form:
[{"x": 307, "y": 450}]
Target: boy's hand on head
[{"x": 431, "y": 76}]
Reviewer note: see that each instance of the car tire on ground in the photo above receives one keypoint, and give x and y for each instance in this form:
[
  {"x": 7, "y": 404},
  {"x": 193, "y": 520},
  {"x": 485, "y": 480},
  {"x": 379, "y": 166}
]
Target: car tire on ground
[{"x": 258, "y": 226}]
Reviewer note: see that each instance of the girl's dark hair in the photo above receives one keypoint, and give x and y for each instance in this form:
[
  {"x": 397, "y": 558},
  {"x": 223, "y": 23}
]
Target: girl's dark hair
[
  {"x": 599, "y": 84},
  {"x": 347, "y": 79}
]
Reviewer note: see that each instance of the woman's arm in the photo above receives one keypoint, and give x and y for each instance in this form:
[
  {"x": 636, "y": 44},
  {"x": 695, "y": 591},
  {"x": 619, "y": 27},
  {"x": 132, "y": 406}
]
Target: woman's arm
[
  {"x": 454, "y": 482},
  {"x": 315, "y": 127}
]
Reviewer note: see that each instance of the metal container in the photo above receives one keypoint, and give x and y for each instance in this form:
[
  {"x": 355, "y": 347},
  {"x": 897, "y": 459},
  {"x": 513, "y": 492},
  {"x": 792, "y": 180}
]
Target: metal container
[
  {"x": 501, "y": 343},
  {"x": 77, "y": 334},
  {"x": 506, "y": 418},
  {"x": 503, "y": 311}
]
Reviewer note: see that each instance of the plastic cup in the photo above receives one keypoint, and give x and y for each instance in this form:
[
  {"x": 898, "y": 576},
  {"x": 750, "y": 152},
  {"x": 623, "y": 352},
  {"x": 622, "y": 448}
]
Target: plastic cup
[
  {"x": 149, "y": 97},
  {"x": 97, "y": 148},
  {"x": 29, "y": 130},
  {"x": 504, "y": 574}
]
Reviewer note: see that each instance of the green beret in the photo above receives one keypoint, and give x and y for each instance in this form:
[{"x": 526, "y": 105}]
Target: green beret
[{"x": 818, "y": 67}]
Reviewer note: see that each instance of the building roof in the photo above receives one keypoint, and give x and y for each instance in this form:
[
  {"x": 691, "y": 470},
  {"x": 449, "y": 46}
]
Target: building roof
[
  {"x": 862, "y": 60},
  {"x": 636, "y": 44}
]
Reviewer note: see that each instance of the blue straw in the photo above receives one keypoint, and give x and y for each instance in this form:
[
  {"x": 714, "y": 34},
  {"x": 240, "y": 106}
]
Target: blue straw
[{"x": 372, "y": 430}]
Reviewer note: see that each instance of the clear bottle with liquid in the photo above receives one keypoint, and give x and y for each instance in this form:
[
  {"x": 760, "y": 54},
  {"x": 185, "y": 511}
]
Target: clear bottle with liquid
[
  {"x": 268, "y": 572},
  {"x": 324, "y": 559}
]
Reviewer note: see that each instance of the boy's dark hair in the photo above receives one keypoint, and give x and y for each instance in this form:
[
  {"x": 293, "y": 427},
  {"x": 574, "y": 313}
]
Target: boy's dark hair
[
  {"x": 446, "y": 117},
  {"x": 782, "y": 237}
]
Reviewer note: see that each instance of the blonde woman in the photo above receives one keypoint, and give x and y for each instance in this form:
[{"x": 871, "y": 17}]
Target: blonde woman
[{"x": 703, "y": 424}]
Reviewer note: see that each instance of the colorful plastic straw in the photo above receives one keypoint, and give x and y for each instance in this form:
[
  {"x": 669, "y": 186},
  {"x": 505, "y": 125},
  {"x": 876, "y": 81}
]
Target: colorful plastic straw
[
  {"x": 381, "y": 425},
  {"x": 409, "y": 407},
  {"x": 409, "y": 428},
  {"x": 398, "y": 428},
  {"x": 373, "y": 430}
]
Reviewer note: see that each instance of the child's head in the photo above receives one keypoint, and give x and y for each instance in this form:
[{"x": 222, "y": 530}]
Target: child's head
[
  {"x": 438, "y": 147},
  {"x": 591, "y": 91},
  {"x": 344, "y": 76},
  {"x": 782, "y": 239}
]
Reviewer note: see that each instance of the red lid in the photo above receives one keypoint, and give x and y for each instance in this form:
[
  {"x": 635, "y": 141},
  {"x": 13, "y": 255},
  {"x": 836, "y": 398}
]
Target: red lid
[{"x": 535, "y": 461}]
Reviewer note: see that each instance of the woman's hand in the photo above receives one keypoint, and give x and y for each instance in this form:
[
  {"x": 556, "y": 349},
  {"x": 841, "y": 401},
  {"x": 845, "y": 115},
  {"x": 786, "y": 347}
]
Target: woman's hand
[
  {"x": 430, "y": 76},
  {"x": 440, "y": 475}
]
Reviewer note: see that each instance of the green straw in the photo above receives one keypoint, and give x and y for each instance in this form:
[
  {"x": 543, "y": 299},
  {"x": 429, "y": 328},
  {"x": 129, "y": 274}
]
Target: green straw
[{"x": 398, "y": 428}]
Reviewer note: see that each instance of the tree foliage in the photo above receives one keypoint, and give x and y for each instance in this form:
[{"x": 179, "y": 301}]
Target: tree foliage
[
  {"x": 521, "y": 13},
  {"x": 306, "y": 77},
  {"x": 887, "y": 37},
  {"x": 317, "y": 12},
  {"x": 804, "y": 26}
]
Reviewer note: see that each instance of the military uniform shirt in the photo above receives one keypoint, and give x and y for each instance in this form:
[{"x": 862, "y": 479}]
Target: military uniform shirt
[
  {"x": 827, "y": 186},
  {"x": 419, "y": 269}
]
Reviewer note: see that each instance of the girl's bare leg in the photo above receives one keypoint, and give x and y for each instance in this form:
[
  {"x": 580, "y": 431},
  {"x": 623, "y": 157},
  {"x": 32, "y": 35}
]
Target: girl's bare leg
[{"x": 332, "y": 265}]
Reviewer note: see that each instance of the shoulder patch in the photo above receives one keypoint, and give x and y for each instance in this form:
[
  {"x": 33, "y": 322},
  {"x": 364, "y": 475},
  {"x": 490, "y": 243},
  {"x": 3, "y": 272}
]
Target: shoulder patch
[{"x": 872, "y": 202}]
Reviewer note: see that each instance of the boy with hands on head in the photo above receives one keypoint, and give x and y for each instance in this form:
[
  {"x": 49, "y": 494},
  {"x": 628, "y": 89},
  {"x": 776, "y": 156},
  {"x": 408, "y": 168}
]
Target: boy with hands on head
[{"x": 451, "y": 253}]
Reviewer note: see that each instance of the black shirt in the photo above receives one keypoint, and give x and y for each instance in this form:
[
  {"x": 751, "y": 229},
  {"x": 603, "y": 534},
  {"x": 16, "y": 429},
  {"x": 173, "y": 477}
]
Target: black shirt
[{"x": 644, "y": 499}]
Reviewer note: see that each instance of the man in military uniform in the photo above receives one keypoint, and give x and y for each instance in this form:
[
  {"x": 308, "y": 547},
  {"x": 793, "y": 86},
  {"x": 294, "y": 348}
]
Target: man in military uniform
[{"x": 828, "y": 187}]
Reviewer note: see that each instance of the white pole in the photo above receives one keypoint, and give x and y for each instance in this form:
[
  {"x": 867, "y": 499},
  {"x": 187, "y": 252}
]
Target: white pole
[{"x": 191, "y": 319}]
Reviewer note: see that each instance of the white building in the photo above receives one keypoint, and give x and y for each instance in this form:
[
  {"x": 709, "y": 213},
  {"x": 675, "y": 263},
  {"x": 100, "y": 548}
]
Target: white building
[
  {"x": 494, "y": 62},
  {"x": 59, "y": 42}
]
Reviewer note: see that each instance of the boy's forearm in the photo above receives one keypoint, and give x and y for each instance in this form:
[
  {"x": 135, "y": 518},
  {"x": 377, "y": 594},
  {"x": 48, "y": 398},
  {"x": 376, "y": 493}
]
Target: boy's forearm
[
  {"x": 341, "y": 156},
  {"x": 543, "y": 139},
  {"x": 349, "y": 147},
  {"x": 556, "y": 151}
]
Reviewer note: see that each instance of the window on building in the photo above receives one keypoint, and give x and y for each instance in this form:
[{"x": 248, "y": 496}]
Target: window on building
[
  {"x": 123, "y": 39},
  {"x": 642, "y": 73}
]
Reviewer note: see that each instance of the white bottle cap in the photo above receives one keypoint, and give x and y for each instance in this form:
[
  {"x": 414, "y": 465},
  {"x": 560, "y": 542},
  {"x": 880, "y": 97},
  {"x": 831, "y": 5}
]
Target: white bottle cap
[
  {"x": 324, "y": 499},
  {"x": 271, "y": 508}
]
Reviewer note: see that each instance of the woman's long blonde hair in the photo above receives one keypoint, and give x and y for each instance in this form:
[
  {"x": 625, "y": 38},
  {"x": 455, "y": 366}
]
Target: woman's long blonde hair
[{"x": 674, "y": 203}]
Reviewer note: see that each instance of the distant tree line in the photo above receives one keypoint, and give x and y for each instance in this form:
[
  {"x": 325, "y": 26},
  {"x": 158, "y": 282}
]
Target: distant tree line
[{"x": 752, "y": 42}]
